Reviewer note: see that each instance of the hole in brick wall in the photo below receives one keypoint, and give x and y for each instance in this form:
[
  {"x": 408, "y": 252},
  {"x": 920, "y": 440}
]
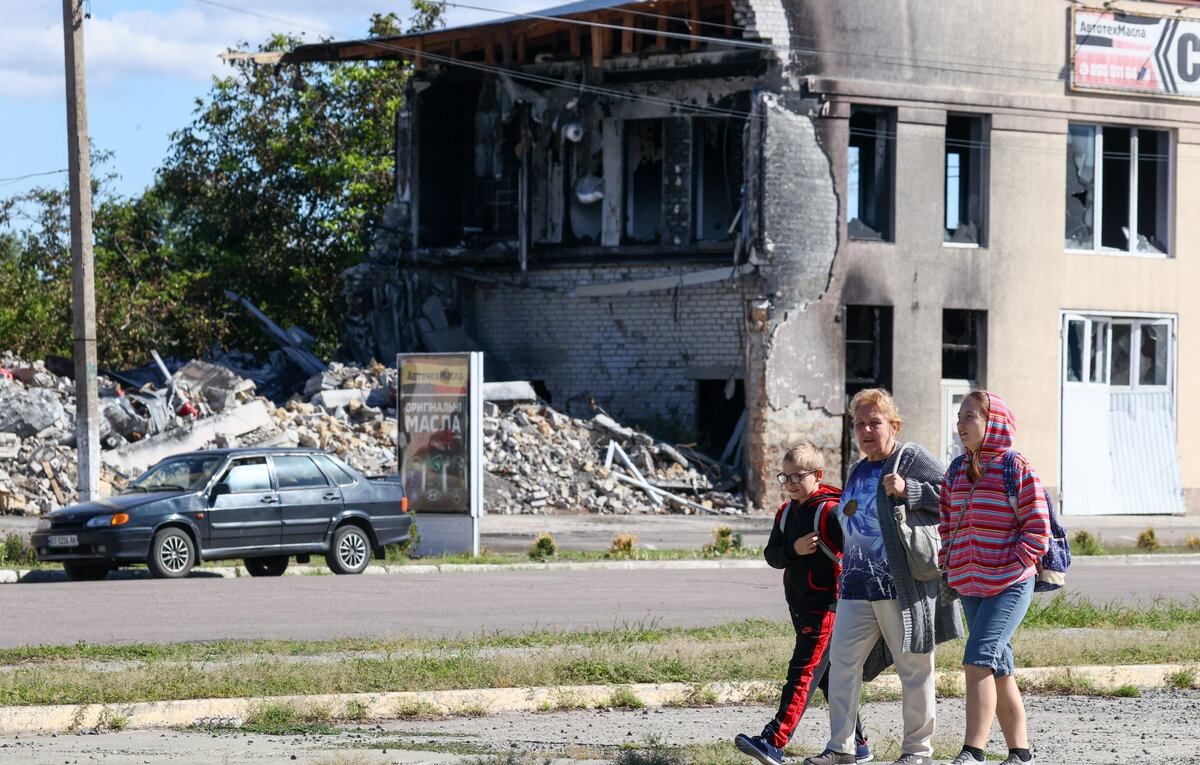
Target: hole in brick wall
[{"x": 717, "y": 416}]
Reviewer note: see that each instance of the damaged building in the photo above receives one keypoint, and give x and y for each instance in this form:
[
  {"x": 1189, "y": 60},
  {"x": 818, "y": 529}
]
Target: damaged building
[{"x": 724, "y": 217}]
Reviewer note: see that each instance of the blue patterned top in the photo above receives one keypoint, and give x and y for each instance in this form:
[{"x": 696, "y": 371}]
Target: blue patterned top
[{"x": 865, "y": 571}]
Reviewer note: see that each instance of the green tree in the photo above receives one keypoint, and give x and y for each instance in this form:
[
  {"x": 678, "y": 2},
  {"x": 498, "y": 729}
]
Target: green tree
[
  {"x": 272, "y": 191},
  {"x": 277, "y": 185}
]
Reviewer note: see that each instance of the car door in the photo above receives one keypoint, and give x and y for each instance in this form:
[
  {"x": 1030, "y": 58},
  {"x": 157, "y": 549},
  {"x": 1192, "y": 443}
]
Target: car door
[
  {"x": 248, "y": 516},
  {"x": 307, "y": 499}
]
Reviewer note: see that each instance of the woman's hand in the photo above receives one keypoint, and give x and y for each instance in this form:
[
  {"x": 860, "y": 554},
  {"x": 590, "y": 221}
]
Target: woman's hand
[
  {"x": 895, "y": 486},
  {"x": 805, "y": 545}
]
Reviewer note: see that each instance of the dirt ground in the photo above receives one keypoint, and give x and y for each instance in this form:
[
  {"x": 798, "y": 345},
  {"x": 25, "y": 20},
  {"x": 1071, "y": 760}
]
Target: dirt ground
[{"x": 1158, "y": 727}]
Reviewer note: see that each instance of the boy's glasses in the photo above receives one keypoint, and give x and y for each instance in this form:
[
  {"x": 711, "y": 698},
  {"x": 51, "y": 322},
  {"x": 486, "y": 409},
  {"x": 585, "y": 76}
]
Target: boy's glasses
[{"x": 794, "y": 477}]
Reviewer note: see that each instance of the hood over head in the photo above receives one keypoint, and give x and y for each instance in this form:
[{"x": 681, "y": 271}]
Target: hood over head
[{"x": 1001, "y": 428}]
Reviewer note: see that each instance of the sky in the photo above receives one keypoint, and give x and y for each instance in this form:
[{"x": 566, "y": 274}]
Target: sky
[{"x": 147, "y": 63}]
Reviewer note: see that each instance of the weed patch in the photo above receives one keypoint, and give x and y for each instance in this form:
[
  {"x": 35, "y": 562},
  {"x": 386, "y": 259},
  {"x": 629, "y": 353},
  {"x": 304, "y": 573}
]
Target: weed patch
[
  {"x": 1086, "y": 543},
  {"x": 1147, "y": 540},
  {"x": 697, "y": 695},
  {"x": 1182, "y": 679},
  {"x": 1127, "y": 691},
  {"x": 625, "y": 698},
  {"x": 543, "y": 547},
  {"x": 414, "y": 709},
  {"x": 623, "y": 546}
]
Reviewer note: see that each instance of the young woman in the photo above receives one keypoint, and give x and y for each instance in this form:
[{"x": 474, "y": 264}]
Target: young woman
[{"x": 991, "y": 544}]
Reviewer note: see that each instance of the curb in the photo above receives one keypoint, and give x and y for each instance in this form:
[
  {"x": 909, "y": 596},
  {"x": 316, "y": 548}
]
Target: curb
[
  {"x": 397, "y": 705},
  {"x": 42, "y": 575}
]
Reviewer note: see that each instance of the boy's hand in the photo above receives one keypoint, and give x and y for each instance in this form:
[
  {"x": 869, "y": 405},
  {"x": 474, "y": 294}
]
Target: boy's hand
[
  {"x": 894, "y": 485},
  {"x": 805, "y": 545}
]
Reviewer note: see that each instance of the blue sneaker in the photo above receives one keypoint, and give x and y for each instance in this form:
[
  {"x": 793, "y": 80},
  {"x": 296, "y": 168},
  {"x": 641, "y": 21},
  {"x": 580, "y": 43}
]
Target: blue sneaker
[
  {"x": 863, "y": 753},
  {"x": 759, "y": 748}
]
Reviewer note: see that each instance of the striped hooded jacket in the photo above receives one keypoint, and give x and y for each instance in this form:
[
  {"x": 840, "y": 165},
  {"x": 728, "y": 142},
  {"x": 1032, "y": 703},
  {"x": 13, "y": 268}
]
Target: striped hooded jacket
[{"x": 995, "y": 546}]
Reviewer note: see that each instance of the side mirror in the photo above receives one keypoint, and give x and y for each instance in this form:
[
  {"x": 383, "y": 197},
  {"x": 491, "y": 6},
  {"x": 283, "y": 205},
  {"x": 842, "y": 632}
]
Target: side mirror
[{"x": 219, "y": 489}]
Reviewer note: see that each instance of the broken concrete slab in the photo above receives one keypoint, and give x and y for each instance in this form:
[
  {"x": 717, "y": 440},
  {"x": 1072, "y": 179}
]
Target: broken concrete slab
[
  {"x": 136, "y": 457},
  {"x": 336, "y": 399},
  {"x": 28, "y": 412},
  {"x": 219, "y": 386},
  {"x": 515, "y": 391}
]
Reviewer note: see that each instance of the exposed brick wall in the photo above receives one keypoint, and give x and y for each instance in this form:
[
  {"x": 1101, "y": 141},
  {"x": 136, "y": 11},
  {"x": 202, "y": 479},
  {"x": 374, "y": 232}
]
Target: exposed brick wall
[{"x": 630, "y": 352}]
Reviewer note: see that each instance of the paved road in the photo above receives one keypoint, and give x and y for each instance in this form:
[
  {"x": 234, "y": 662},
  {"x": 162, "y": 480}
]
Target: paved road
[{"x": 321, "y": 607}]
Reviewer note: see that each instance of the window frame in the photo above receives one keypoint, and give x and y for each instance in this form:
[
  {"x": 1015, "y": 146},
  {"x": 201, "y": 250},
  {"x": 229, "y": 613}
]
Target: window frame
[
  {"x": 886, "y": 200},
  {"x": 1135, "y": 322},
  {"x": 1098, "y": 248},
  {"x": 980, "y": 177}
]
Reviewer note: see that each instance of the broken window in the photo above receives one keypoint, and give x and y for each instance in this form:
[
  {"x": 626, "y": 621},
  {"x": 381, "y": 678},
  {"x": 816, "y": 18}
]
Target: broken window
[
  {"x": 962, "y": 344},
  {"x": 1118, "y": 351},
  {"x": 868, "y": 348},
  {"x": 468, "y": 172},
  {"x": 643, "y": 180},
  {"x": 966, "y": 185},
  {"x": 869, "y": 173},
  {"x": 1122, "y": 176},
  {"x": 582, "y": 174},
  {"x": 717, "y": 174}
]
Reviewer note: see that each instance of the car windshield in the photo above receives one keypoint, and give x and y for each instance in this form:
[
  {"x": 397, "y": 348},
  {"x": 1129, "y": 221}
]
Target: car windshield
[{"x": 186, "y": 473}]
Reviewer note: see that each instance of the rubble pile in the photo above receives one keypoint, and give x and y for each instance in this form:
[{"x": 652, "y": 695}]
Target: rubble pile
[
  {"x": 536, "y": 459},
  {"x": 539, "y": 460}
]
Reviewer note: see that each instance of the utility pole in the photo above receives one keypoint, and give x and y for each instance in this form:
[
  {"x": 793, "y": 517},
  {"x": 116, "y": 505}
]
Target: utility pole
[{"x": 83, "y": 283}]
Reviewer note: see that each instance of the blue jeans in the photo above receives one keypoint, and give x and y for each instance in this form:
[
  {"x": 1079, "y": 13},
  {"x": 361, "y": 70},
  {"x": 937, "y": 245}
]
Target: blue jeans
[{"x": 991, "y": 623}]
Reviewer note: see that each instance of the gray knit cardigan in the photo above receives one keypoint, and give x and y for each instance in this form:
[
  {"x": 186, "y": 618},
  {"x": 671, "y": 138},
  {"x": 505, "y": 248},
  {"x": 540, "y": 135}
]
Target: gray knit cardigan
[{"x": 926, "y": 621}]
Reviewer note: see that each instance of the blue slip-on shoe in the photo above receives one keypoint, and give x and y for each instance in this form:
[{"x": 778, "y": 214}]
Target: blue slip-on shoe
[
  {"x": 759, "y": 748},
  {"x": 863, "y": 754}
]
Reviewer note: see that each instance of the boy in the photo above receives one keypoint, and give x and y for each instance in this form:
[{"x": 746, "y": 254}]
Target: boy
[{"x": 806, "y": 541}]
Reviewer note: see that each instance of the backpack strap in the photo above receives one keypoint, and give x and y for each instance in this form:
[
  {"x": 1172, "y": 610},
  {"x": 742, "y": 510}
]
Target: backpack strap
[{"x": 821, "y": 514}]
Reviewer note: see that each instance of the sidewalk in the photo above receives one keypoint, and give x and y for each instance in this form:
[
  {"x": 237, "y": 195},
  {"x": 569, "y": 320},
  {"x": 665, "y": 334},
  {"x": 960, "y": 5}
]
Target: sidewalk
[{"x": 515, "y": 533}]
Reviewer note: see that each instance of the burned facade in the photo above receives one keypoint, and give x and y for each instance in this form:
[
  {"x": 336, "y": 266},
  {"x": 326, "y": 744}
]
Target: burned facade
[{"x": 721, "y": 218}]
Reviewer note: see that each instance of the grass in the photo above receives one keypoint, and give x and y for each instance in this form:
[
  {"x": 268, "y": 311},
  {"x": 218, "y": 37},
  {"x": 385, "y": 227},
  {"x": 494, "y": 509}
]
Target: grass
[{"x": 1058, "y": 632}]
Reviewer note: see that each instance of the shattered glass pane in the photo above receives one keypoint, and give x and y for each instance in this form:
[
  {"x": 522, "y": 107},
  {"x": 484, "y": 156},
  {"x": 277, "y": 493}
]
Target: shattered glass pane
[
  {"x": 1122, "y": 337},
  {"x": 1099, "y": 347},
  {"x": 1153, "y": 165},
  {"x": 1118, "y": 168},
  {"x": 869, "y": 168},
  {"x": 1081, "y": 177},
  {"x": 965, "y": 173},
  {"x": 1075, "y": 338},
  {"x": 1152, "y": 369}
]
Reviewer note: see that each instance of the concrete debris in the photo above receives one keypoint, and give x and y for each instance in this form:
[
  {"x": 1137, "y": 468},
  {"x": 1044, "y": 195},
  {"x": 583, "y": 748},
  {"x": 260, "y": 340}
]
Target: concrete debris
[{"x": 536, "y": 459}]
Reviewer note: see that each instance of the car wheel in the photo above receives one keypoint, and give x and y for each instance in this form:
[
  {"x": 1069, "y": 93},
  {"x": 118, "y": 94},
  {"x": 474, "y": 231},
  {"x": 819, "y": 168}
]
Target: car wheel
[
  {"x": 350, "y": 551},
  {"x": 172, "y": 554},
  {"x": 273, "y": 565},
  {"x": 85, "y": 570}
]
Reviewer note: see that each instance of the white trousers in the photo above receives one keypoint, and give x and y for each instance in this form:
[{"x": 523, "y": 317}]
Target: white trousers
[{"x": 856, "y": 629}]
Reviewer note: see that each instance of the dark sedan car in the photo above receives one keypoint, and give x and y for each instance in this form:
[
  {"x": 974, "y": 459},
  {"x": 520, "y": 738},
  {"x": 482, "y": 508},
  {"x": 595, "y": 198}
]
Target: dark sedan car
[{"x": 262, "y": 505}]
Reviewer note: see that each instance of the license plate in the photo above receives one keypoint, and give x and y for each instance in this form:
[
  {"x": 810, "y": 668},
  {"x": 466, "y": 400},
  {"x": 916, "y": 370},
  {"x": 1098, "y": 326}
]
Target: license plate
[{"x": 64, "y": 540}]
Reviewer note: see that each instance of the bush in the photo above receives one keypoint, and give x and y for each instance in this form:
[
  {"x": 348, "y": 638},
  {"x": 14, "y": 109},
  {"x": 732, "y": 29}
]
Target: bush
[
  {"x": 623, "y": 546},
  {"x": 544, "y": 547},
  {"x": 724, "y": 541},
  {"x": 1193, "y": 543},
  {"x": 1147, "y": 540},
  {"x": 15, "y": 551},
  {"x": 1086, "y": 543}
]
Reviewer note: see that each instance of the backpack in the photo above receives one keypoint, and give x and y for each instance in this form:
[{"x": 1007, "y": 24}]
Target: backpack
[{"x": 1057, "y": 559}]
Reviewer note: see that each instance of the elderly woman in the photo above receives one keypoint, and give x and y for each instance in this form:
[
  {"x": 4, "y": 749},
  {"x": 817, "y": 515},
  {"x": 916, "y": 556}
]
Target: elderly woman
[{"x": 877, "y": 594}]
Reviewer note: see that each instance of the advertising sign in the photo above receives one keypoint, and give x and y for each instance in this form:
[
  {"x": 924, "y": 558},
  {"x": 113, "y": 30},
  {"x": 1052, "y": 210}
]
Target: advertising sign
[
  {"x": 439, "y": 408},
  {"x": 1135, "y": 54}
]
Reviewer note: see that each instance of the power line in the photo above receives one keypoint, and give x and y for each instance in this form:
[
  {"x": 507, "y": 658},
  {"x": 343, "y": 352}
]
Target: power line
[{"x": 15, "y": 179}]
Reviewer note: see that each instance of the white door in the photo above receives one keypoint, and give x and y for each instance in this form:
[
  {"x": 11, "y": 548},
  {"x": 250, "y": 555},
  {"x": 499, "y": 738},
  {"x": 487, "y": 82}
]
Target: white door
[
  {"x": 1118, "y": 446},
  {"x": 953, "y": 392}
]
